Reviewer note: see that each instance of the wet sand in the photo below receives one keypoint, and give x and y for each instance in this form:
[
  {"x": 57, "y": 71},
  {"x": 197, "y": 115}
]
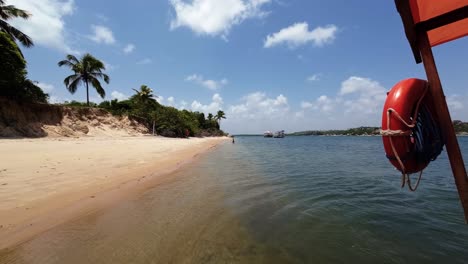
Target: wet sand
[
  {"x": 46, "y": 182},
  {"x": 183, "y": 218}
]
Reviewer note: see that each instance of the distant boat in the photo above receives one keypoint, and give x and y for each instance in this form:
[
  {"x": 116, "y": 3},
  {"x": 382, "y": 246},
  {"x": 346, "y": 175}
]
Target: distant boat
[
  {"x": 268, "y": 134},
  {"x": 279, "y": 134}
]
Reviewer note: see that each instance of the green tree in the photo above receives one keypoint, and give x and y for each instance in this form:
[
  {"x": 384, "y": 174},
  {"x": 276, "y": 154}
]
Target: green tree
[
  {"x": 210, "y": 117},
  {"x": 7, "y": 12},
  {"x": 170, "y": 122},
  {"x": 144, "y": 95},
  {"x": 220, "y": 115},
  {"x": 117, "y": 107},
  {"x": 12, "y": 66},
  {"x": 201, "y": 119},
  {"x": 13, "y": 80},
  {"x": 32, "y": 92},
  {"x": 143, "y": 103},
  {"x": 87, "y": 70}
]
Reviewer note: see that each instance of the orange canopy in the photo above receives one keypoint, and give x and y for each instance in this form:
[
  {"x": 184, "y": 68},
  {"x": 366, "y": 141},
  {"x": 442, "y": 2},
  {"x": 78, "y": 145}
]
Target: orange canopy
[{"x": 428, "y": 11}]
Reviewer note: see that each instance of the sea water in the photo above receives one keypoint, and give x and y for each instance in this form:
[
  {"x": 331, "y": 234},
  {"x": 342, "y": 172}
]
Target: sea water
[{"x": 263, "y": 200}]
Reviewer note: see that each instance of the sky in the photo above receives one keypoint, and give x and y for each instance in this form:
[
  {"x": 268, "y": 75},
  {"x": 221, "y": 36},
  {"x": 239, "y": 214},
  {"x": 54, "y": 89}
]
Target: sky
[{"x": 268, "y": 64}]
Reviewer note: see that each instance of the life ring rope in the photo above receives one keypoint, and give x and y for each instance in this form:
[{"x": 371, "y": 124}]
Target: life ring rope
[{"x": 405, "y": 177}]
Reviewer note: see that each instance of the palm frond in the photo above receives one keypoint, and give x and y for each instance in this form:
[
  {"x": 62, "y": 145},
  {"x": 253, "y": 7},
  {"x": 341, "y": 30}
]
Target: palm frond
[
  {"x": 16, "y": 34},
  {"x": 66, "y": 63},
  {"x": 71, "y": 79},
  {"x": 10, "y": 11},
  {"x": 73, "y": 83},
  {"x": 101, "y": 75},
  {"x": 72, "y": 59},
  {"x": 97, "y": 85}
]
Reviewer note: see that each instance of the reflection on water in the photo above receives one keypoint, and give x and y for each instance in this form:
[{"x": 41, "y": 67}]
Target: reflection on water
[{"x": 292, "y": 200}]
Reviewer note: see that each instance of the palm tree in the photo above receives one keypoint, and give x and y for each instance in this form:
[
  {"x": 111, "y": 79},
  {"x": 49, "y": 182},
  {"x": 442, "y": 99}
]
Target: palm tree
[
  {"x": 220, "y": 115},
  {"x": 144, "y": 95},
  {"x": 87, "y": 70},
  {"x": 8, "y": 12},
  {"x": 210, "y": 116}
]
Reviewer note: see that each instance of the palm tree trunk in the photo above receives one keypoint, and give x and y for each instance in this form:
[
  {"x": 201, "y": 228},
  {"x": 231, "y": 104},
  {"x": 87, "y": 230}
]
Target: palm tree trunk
[{"x": 87, "y": 93}]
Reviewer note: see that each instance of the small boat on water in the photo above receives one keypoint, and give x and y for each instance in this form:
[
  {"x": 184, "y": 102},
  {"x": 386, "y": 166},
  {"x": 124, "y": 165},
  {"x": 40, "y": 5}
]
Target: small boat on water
[
  {"x": 279, "y": 134},
  {"x": 268, "y": 134}
]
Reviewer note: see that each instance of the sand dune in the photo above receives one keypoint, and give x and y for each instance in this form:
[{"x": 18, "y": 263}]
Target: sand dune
[{"x": 44, "y": 182}]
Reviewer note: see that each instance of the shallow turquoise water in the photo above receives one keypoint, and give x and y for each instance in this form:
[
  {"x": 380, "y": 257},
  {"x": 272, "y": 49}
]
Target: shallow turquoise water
[{"x": 263, "y": 200}]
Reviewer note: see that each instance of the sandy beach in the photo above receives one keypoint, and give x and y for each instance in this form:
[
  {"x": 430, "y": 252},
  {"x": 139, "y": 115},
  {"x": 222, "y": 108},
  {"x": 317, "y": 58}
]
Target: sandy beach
[{"x": 45, "y": 182}]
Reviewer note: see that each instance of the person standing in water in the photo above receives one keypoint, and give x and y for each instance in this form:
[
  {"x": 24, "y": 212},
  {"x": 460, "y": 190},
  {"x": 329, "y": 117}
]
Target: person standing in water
[{"x": 233, "y": 140}]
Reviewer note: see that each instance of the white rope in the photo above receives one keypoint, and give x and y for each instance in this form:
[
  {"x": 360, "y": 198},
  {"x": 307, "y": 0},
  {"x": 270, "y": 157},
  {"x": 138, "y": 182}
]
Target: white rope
[{"x": 405, "y": 178}]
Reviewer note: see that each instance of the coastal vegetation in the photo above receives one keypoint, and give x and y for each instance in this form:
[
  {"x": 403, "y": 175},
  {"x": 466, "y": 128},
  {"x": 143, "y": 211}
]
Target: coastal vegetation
[
  {"x": 8, "y": 12},
  {"x": 13, "y": 75},
  {"x": 359, "y": 131},
  {"x": 168, "y": 121},
  {"x": 14, "y": 82},
  {"x": 89, "y": 71},
  {"x": 461, "y": 128}
]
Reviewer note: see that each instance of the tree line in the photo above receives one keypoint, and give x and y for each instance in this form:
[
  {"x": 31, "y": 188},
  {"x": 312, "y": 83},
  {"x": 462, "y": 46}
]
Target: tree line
[
  {"x": 88, "y": 71},
  {"x": 358, "y": 131}
]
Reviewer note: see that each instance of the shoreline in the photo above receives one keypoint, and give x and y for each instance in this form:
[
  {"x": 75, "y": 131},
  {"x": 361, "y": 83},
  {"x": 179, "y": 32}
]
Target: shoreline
[{"x": 46, "y": 182}]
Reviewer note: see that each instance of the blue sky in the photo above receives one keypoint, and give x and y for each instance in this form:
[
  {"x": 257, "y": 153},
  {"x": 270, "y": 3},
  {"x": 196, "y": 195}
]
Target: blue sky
[{"x": 269, "y": 64}]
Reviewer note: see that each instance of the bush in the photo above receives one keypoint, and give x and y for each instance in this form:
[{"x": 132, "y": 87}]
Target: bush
[
  {"x": 74, "y": 103},
  {"x": 12, "y": 67},
  {"x": 31, "y": 92},
  {"x": 169, "y": 121},
  {"x": 13, "y": 81}
]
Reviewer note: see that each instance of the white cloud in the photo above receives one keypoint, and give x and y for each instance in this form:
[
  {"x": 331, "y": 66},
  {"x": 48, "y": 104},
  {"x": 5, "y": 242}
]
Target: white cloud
[
  {"x": 214, "y": 17},
  {"x": 299, "y": 34},
  {"x": 258, "y": 105},
  {"x": 47, "y": 88},
  {"x": 159, "y": 99},
  {"x": 109, "y": 67},
  {"x": 213, "y": 107},
  {"x": 314, "y": 77},
  {"x": 323, "y": 104},
  {"x": 102, "y": 34},
  {"x": 210, "y": 84},
  {"x": 55, "y": 99},
  {"x": 306, "y": 105},
  {"x": 118, "y": 95},
  {"x": 96, "y": 99},
  {"x": 46, "y": 26},
  {"x": 129, "y": 48},
  {"x": 144, "y": 61},
  {"x": 170, "y": 101},
  {"x": 455, "y": 103},
  {"x": 257, "y": 112},
  {"x": 361, "y": 85},
  {"x": 359, "y": 102}
]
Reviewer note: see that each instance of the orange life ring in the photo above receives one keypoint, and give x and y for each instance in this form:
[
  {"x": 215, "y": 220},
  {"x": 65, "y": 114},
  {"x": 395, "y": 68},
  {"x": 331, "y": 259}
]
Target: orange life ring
[{"x": 398, "y": 120}]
